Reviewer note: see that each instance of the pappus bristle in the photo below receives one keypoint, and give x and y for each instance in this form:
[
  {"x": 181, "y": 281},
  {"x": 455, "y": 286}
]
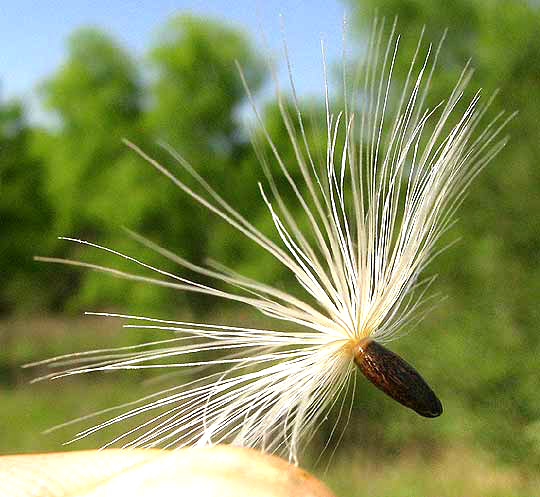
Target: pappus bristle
[{"x": 375, "y": 209}]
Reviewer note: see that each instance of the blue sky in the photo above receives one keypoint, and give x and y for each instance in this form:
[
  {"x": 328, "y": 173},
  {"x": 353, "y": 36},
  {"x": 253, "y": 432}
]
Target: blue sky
[{"x": 33, "y": 33}]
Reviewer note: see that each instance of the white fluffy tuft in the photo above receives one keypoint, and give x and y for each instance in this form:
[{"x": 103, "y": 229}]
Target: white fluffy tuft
[{"x": 375, "y": 215}]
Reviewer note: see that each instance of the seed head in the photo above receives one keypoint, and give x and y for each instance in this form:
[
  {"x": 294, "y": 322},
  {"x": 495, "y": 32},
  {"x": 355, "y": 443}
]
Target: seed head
[{"x": 394, "y": 173}]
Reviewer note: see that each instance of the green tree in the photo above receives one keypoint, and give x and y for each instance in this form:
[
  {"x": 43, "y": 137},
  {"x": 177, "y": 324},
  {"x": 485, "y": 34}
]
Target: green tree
[
  {"x": 94, "y": 181},
  {"x": 197, "y": 91},
  {"x": 24, "y": 212},
  {"x": 97, "y": 184},
  {"x": 96, "y": 97},
  {"x": 195, "y": 98}
]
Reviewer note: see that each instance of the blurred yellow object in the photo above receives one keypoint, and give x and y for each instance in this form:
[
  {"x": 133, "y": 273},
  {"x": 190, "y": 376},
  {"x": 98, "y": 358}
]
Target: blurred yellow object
[{"x": 222, "y": 471}]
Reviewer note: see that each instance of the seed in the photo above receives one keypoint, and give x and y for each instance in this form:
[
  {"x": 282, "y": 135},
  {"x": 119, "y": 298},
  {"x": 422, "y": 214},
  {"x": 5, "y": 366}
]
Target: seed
[{"x": 396, "y": 378}]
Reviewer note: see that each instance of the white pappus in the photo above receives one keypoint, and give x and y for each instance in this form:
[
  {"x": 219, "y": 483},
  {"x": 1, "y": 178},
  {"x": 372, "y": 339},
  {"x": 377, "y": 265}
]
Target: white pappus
[{"x": 375, "y": 210}]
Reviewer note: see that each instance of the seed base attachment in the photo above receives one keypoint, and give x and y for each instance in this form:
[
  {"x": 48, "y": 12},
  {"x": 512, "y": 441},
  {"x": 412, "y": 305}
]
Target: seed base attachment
[{"x": 396, "y": 378}]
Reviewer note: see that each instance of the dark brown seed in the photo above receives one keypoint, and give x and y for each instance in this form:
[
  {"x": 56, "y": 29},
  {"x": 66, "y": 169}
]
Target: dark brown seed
[{"x": 396, "y": 378}]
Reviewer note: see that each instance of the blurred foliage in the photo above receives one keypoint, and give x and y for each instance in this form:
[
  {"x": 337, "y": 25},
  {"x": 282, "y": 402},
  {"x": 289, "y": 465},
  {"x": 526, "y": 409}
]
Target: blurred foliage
[
  {"x": 96, "y": 184},
  {"x": 196, "y": 89},
  {"x": 478, "y": 349},
  {"x": 25, "y": 213}
]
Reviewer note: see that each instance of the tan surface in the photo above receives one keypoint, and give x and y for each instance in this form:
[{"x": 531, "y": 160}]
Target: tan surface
[{"x": 202, "y": 472}]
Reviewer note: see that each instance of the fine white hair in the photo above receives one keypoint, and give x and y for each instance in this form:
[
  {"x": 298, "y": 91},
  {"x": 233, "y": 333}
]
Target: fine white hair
[{"x": 393, "y": 175}]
